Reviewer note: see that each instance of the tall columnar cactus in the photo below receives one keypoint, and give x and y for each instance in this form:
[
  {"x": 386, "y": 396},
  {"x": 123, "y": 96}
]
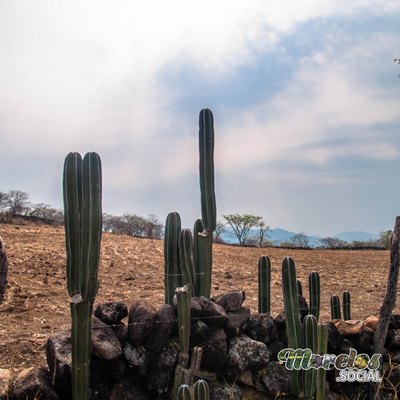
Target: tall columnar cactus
[
  {"x": 264, "y": 285},
  {"x": 201, "y": 390},
  {"x": 346, "y": 305},
  {"x": 3, "y": 270},
  {"x": 294, "y": 329},
  {"x": 181, "y": 370},
  {"x": 186, "y": 258},
  {"x": 322, "y": 331},
  {"x": 310, "y": 342},
  {"x": 335, "y": 307},
  {"x": 200, "y": 256},
  {"x": 83, "y": 226},
  {"x": 208, "y": 202},
  {"x": 172, "y": 271},
  {"x": 314, "y": 289}
]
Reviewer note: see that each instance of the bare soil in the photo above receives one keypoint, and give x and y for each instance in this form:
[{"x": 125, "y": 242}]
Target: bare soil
[{"x": 37, "y": 303}]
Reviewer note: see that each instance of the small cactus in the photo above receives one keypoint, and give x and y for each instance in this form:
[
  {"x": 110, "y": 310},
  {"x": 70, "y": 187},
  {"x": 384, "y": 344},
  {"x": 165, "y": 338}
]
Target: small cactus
[
  {"x": 201, "y": 390},
  {"x": 335, "y": 307},
  {"x": 184, "y": 392},
  {"x": 264, "y": 285},
  {"x": 346, "y": 305}
]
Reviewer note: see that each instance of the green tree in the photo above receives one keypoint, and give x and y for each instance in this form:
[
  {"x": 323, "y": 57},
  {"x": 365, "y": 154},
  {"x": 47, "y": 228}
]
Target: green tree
[
  {"x": 241, "y": 225},
  {"x": 385, "y": 239}
]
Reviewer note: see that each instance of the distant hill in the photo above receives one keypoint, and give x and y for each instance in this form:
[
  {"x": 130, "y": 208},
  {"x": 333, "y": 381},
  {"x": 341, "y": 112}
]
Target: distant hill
[
  {"x": 280, "y": 235},
  {"x": 357, "y": 236}
]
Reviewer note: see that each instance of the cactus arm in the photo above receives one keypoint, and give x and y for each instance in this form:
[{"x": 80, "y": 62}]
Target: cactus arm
[
  {"x": 172, "y": 273},
  {"x": 186, "y": 258},
  {"x": 91, "y": 224},
  {"x": 264, "y": 285},
  {"x": 206, "y": 167},
  {"x": 346, "y": 305},
  {"x": 315, "y": 293},
  {"x": 72, "y": 193}
]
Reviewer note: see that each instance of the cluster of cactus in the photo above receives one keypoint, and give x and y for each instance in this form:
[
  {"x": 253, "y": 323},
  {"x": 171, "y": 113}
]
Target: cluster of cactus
[
  {"x": 188, "y": 259},
  {"x": 308, "y": 334},
  {"x": 335, "y": 306},
  {"x": 199, "y": 391},
  {"x": 82, "y": 189}
]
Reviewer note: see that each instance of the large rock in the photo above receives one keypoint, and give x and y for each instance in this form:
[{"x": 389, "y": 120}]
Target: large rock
[
  {"x": 251, "y": 394},
  {"x": 247, "y": 354},
  {"x": 211, "y": 313},
  {"x": 335, "y": 339},
  {"x": 219, "y": 391},
  {"x": 111, "y": 313},
  {"x": 138, "y": 358},
  {"x": 34, "y": 383},
  {"x": 392, "y": 341},
  {"x": 160, "y": 375},
  {"x": 165, "y": 327},
  {"x": 350, "y": 327},
  {"x": 274, "y": 378},
  {"x": 236, "y": 321},
  {"x": 215, "y": 349},
  {"x": 261, "y": 327},
  {"x": 141, "y": 322},
  {"x": 105, "y": 343},
  {"x": 231, "y": 301}
]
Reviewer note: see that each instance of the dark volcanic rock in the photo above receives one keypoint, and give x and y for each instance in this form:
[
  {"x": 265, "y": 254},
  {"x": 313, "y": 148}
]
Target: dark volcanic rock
[
  {"x": 275, "y": 378},
  {"x": 141, "y": 322},
  {"x": 261, "y": 327},
  {"x": 105, "y": 343},
  {"x": 211, "y": 313},
  {"x": 111, "y": 313},
  {"x": 236, "y": 320},
  {"x": 34, "y": 382},
  {"x": 231, "y": 301},
  {"x": 214, "y": 350},
  {"x": 128, "y": 389}
]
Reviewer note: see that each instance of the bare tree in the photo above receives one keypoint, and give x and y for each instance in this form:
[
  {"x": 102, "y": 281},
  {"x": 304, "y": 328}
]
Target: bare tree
[
  {"x": 241, "y": 225},
  {"x": 3, "y": 201},
  {"x": 219, "y": 230},
  {"x": 153, "y": 227},
  {"x": 17, "y": 202},
  {"x": 332, "y": 243},
  {"x": 300, "y": 240}
]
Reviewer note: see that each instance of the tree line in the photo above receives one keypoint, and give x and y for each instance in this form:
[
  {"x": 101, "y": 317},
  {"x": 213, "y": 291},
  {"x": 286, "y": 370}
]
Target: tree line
[{"x": 247, "y": 229}]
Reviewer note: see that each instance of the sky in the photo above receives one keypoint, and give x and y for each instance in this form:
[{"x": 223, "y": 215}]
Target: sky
[{"x": 305, "y": 96}]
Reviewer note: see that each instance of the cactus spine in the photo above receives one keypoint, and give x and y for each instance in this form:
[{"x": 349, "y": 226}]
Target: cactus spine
[
  {"x": 335, "y": 307},
  {"x": 346, "y": 305},
  {"x": 264, "y": 285},
  {"x": 314, "y": 289},
  {"x": 172, "y": 272},
  {"x": 292, "y": 315},
  {"x": 83, "y": 226}
]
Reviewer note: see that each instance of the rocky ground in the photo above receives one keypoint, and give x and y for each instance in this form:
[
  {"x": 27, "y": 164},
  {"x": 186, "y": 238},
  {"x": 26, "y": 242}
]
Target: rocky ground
[{"x": 36, "y": 304}]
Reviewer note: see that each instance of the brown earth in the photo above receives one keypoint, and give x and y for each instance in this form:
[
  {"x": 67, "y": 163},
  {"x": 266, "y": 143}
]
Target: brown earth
[{"x": 37, "y": 304}]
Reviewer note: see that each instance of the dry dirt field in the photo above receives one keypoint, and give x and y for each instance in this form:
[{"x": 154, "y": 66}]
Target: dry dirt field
[{"x": 37, "y": 304}]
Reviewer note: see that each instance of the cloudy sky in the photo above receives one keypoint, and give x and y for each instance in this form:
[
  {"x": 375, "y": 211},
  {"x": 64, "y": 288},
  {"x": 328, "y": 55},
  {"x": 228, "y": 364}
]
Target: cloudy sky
[{"x": 305, "y": 96}]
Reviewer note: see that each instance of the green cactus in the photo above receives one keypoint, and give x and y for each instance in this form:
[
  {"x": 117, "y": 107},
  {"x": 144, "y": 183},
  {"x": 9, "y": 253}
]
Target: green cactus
[
  {"x": 206, "y": 167},
  {"x": 310, "y": 342},
  {"x": 82, "y": 190},
  {"x": 294, "y": 329},
  {"x": 299, "y": 288},
  {"x": 335, "y": 307},
  {"x": 201, "y": 390},
  {"x": 322, "y": 331},
  {"x": 314, "y": 290},
  {"x": 184, "y": 392},
  {"x": 172, "y": 271},
  {"x": 264, "y": 285},
  {"x": 186, "y": 258},
  {"x": 346, "y": 305}
]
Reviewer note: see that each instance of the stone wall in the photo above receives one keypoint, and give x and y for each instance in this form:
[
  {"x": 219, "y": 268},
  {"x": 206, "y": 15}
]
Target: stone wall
[{"x": 135, "y": 351}]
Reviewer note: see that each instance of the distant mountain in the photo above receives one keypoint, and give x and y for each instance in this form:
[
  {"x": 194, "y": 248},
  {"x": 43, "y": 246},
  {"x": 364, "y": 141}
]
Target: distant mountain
[
  {"x": 280, "y": 235},
  {"x": 357, "y": 236}
]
